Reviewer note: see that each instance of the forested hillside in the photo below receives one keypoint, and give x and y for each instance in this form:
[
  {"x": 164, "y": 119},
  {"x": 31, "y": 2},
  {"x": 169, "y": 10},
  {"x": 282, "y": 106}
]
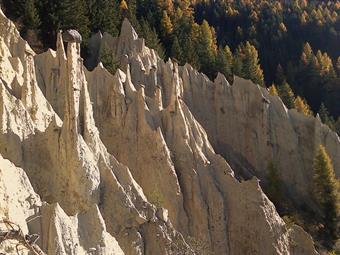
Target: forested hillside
[{"x": 289, "y": 45}]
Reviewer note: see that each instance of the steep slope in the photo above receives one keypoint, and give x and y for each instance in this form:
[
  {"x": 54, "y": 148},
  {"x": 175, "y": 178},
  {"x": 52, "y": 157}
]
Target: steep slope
[
  {"x": 120, "y": 163},
  {"x": 244, "y": 123}
]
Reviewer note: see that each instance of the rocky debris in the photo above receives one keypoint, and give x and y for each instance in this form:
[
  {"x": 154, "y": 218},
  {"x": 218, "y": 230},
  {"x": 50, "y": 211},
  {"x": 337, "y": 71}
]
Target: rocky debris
[{"x": 120, "y": 162}]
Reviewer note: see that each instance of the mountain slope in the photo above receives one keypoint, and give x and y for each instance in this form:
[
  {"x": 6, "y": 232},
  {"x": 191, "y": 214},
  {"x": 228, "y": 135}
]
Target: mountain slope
[{"x": 120, "y": 163}]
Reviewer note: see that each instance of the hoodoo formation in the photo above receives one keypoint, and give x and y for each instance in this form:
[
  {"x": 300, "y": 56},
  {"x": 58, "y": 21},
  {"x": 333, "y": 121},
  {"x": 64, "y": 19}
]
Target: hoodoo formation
[{"x": 146, "y": 161}]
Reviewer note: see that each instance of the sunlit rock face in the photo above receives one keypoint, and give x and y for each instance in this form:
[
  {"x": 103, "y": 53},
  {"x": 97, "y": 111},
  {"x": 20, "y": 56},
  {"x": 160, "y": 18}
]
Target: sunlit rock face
[{"x": 97, "y": 163}]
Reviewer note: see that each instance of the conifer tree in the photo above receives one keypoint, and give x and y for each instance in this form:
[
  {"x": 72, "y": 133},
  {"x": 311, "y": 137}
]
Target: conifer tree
[
  {"x": 326, "y": 194},
  {"x": 325, "y": 117},
  {"x": 104, "y": 16},
  {"x": 302, "y": 106},
  {"x": 279, "y": 76},
  {"x": 206, "y": 48},
  {"x": 151, "y": 38},
  {"x": 176, "y": 50},
  {"x": 307, "y": 53},
  {"x": 272, "y": 90},
  {"x": 166, "y": 25},
  {"x": 74, "y": 15},
  {"x": 237, "y": 64},
  {"x": 224, "y": 62},
  {"x": 31, "y": 16},
  {"x": 273, "y": 187},
  {"x": 287, "y": 95},
  {"x": 251, "y": 66}
]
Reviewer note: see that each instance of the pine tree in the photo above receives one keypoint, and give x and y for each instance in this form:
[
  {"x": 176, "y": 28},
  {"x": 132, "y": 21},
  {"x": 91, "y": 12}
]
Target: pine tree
[
  {"x": 206, "y": 48},
  {"x": 248, "y": 56},
  {"x": 151, "y": 38},
  {"x": 326, "y": 194},
  {"x": 31, "y": 16},
  {"x": 237, "y": 64},
  {"x": 176, "y": 50},
  {"x": 279, "y": 76},
  {"x": 273, "y": 187},
  {"x": 251, "y": 65},
  {"x": 325, "y": 117},
  {"x": 287, "y": 95},
  {"x": 104, "y": 16},
  {"x": 302, "y": 106},
  {"x": 74, "y": 15},
  {"x": 224, "y": 62},
  {"x": 108, "y": 61}
]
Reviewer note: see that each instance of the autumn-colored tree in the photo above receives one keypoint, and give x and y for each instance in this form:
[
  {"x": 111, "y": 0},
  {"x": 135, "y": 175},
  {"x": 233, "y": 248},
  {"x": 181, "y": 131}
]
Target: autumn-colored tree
[
  {"x": 287, "y": 95},
  {"x": 326, "y": 194},
  {"x": 248, "y": 56},
  {"x": 166, "y": 25},
  {"x": 302, "y": 106},
  {"x": 273, "y": 90}
]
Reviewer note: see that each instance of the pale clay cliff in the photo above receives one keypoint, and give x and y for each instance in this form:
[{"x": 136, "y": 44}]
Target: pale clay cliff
[{"x": 125, "y": 164}]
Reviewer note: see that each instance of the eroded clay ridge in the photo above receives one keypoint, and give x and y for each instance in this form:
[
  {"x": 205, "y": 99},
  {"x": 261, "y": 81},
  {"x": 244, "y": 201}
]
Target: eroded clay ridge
[{"x": 118, "y": 164}]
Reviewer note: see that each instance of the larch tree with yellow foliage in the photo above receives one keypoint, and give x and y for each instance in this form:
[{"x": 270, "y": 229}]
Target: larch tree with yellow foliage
[
  {"x": 326, "y": 195},
  {"x": 302, "y": 106}
]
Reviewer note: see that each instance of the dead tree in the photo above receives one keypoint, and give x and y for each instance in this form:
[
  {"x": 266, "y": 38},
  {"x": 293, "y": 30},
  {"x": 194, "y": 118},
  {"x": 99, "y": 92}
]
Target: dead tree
[{"x": 14, "y": 232}]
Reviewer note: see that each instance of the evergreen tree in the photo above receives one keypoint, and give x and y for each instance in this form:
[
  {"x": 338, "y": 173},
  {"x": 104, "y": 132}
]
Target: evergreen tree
[
  {"x": 251, "y": 66},
  {"x": 31, "y": 16},
  {"x": 325, "y": 117},
  {"x": 108, "y": 61},
  {"x": 237, "y": 64},
  {"x": 151, "y": 38},
  {"x": 104, "y": 16},
  {"x": 74, "y": 15},
  {"x": 224, "y": 62},
  {"x": 248, "y": 55},
  {"x": 326, "y": 194},
  {"x": 176, "y": 50},
  {"x": 302, "y": 106},
  {"x": 273, "y": 187},
  {"x": 279, "y": 76},
  {"x": 206, "y": 48},
  {"x": 287, "y": 95}
]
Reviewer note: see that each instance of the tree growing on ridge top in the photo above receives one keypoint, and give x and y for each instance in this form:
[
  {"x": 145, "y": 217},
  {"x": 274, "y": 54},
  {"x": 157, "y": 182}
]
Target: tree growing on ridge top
[
  {"x": 325, "y": 117},
  {"x": 224, "y": 62},
  {"x": 287, "y": 95},
  {"x": 273, "y": 90},
  {"x": 246, "y": 63},
  {"x": 302, "y": 106}
]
